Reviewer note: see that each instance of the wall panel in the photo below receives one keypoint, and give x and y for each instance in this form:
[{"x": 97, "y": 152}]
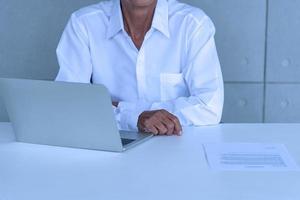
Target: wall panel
[
  {"x": 243, "y": 103},
  {"x": 30, "y": 31},
  {"x": 283, "y": 58},
  {"x": 283, "y": 103}
]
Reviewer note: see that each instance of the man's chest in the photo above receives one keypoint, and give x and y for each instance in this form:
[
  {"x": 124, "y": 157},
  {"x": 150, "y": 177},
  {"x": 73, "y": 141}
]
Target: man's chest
[{"x": 154, "y": 71}]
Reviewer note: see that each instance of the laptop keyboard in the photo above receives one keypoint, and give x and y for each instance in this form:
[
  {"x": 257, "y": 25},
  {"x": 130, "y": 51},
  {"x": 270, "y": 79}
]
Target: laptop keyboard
[{"x": 126, "y": 141}]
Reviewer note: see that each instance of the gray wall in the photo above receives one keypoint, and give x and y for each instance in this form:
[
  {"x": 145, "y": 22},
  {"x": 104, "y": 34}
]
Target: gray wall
[
  {"x": 259, "y": 48},
  {"x": 257, "y": 42}
]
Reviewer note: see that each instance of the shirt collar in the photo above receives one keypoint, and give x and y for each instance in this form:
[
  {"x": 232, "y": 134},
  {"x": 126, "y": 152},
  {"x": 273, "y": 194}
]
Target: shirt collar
[
  {"x": 161, "y": 17},
  {"x": 160, "y": 20},
  {"x": 116, "y": 20}
]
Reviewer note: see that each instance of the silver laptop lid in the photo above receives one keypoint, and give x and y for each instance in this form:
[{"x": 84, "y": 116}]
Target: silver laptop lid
[{"x": 61, "y": 114}]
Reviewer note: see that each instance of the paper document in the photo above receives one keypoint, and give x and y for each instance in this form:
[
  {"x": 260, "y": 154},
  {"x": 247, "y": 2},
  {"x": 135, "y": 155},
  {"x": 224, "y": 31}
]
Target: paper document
[{"x": 249, "y": 157}]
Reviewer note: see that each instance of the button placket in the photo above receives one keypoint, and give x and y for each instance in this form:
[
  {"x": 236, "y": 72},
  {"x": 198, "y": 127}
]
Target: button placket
[
  {"x": 140, "y": 73},
  {"x": 140, "y": 67}
]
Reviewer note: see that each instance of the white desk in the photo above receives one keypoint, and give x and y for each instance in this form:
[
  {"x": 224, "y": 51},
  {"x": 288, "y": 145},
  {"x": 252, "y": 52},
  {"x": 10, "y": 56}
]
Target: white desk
[{"x": 164, "y": 168}]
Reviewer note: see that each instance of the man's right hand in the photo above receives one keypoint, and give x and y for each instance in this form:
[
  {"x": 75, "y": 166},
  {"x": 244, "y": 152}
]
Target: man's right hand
[{"x": 159, "y": 122}]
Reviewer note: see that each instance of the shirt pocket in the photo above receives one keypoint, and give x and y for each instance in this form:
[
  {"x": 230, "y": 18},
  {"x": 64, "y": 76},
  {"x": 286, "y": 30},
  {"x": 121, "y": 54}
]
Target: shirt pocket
[{"x": 172, "y": 86}]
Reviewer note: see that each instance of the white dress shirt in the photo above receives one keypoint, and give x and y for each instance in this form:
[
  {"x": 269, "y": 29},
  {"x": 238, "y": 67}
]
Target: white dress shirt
[{"x": 176, "y": 69}]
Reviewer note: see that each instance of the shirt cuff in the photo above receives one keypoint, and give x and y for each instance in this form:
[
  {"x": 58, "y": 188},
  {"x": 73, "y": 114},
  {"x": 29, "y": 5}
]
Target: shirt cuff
[{"x": 127, "y": 114}]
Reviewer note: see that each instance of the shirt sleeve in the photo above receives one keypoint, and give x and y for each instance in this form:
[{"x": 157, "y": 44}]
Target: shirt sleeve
[
  {"x": 203, "y": 78},
  {"x": 127, "y": 113},
  {"x": 74, "y": 59},
  {"x": 73, "y": 54}
]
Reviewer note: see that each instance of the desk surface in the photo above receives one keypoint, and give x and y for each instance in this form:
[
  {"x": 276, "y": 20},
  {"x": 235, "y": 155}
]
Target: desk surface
[{"x": 164, "y": 168}]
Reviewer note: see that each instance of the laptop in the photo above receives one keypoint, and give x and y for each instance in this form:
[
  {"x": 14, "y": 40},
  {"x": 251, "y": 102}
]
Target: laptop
[{"x": 65, "y": 114}]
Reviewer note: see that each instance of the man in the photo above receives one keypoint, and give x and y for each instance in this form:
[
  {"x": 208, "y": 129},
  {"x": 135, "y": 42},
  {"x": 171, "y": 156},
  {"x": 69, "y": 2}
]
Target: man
[{"x": 156, "y": 57}]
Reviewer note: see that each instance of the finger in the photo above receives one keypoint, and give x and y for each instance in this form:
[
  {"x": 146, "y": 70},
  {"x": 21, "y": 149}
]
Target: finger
[
  {"x": 178, "y": 128},
  {"x": 169, "y": 124},
  {"x": 162, "y": 129},
  {"x": 160, "y": 116},
  {"x": 150, "y": 128},
  {"x": 174, "y": 119}
]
